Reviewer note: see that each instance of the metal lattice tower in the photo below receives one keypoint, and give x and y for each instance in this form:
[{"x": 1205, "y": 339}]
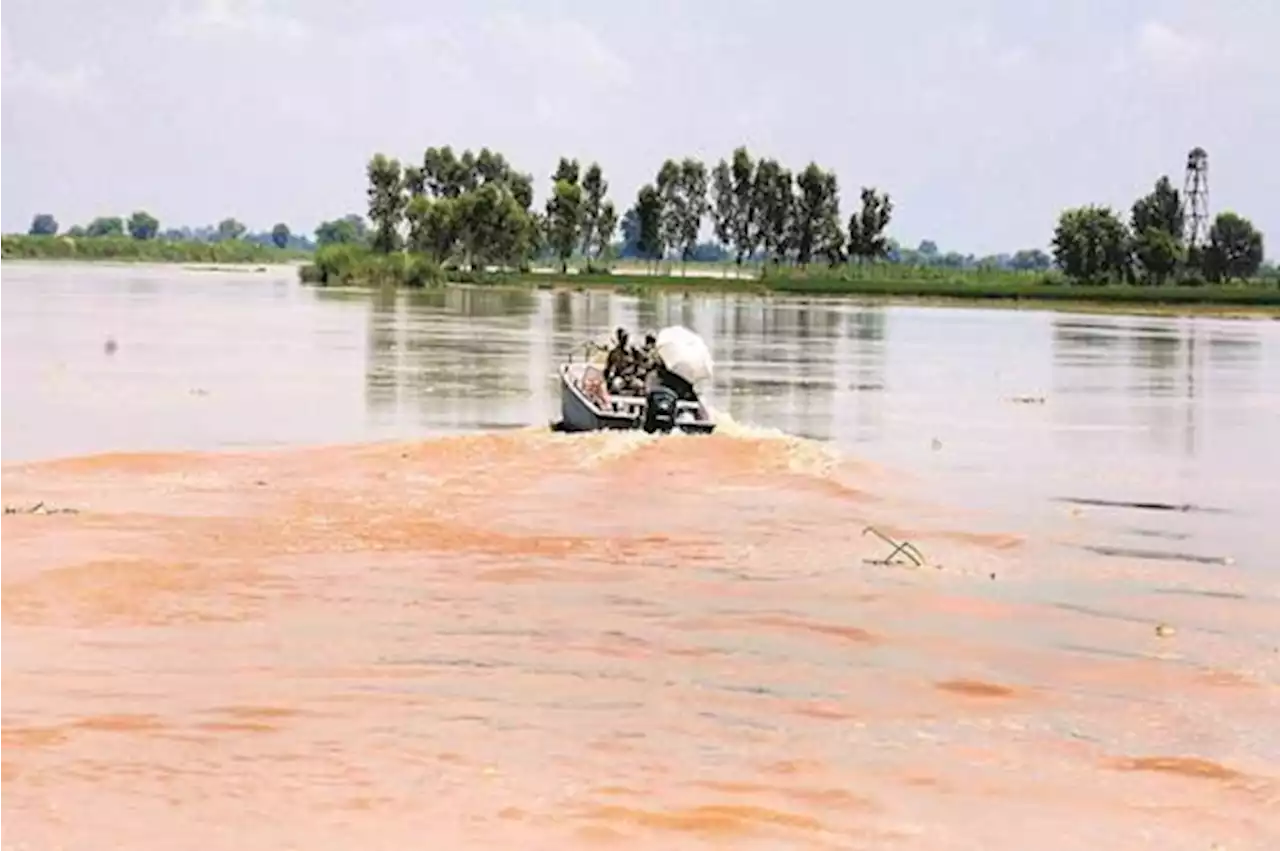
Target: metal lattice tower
[{"x": 1195, "y": 193}]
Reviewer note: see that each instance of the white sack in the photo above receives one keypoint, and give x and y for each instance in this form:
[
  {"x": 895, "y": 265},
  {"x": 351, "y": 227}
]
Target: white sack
[{"x": 684, "y": 353}]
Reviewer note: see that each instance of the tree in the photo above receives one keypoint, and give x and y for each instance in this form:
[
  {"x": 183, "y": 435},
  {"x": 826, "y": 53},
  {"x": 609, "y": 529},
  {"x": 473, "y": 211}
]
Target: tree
[
  {"x": 493, "y": 225},
  {"x": 773, "y": 200},
  {"x": 816, "y": 219},
  {"x": 522, "y": 189},
  {"x": 866, "y": 227},
  {"x": 648, "y": 209},
  {"x": 280, "y": 235},
  {"x": 606, "y": 227},
  {"x": 350, "y": 229},
  {"x": 631, "y": 233},
  {"x": 1030, "y": 260},
  {"x": 1161, "y": 209},
  {"x": 693, "y": 205},
  {"x": 43, "y": 224},
  {"x": 143, "y": 225},
  {"x": 564, "y": 218},
  {"x": 491, "y": 167},
  {"x": 229, "y": 229},
  {"x": 386, "y": 202},
  {"x": 1156, "y": 223},
  {"x": 1159, "y": 254},
  {"x": 667, "y": 185},
  {"x": 724, "y": 204},
  {"x": 442, "y": 173},
  {"x": 567, "y": 170},
  {"x": 1091, "y": 245},
  {"x": 594, "y": 187},
  {"x": 1234, "y": 249},
  {"x": 435, "y": 225},
  {"x": 105, "y": 226},
  {"x": 745, "y": 210}
]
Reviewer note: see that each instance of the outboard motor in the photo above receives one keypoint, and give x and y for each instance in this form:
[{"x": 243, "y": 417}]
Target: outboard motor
[{"x": 660, "y": 409}]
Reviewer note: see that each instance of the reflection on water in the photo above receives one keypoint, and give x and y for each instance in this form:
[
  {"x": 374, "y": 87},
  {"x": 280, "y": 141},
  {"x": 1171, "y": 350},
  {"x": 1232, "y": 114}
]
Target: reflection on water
[{"x": 1136, "y": 409}]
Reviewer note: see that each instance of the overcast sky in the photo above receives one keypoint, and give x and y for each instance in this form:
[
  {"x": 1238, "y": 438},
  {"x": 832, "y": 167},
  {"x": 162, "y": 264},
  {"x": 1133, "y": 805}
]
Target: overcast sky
[{"x": 982, "y": 118}]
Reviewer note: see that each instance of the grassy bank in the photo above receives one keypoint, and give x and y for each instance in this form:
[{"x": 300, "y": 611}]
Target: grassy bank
[
  {"x": 965, "y": 286},
  {"x": 123, "y": 248},
  {"x": 354, "y": 266}
]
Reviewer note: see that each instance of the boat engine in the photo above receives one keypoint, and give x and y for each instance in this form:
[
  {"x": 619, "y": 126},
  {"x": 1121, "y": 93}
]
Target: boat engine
[{"x": 660, "y": 409}]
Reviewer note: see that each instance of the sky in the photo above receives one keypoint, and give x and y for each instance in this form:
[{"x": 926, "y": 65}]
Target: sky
[{"x": 982, "y": 119}]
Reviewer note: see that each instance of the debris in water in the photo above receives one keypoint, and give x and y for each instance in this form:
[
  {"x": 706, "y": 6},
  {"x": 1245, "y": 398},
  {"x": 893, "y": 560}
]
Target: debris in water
[
  {"x": 38, "y": 508},
  {"x": 1164, "y": 630},
  {"x": 1149, "y": 506},
  {"x": 937, "y": 444},
  {"x": 110, "y": 346},
  {"x": 1157, "y": 555},
  {"x": 904, "y": 547}
]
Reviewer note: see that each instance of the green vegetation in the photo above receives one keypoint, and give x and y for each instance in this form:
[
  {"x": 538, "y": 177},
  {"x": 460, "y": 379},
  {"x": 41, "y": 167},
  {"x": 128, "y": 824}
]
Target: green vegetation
[
  {"x": 139, "y": 237},
  {"x": 125, "y": 248},
  {"x": 471, "y": 217},
  {"x": 919, "y": 283},
  {"x": 1093, "y": 246}
]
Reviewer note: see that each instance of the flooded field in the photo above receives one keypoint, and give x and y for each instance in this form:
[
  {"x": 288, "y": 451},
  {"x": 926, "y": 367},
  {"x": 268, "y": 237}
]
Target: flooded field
[{"x": 299, "y": 569}]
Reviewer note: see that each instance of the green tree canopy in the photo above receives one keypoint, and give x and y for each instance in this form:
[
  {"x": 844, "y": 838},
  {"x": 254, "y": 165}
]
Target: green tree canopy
[
  {"x": 773, "y": 203},
  {"x": 594, "y": 188},
  {"x": 386, "y": 202},
  {"x": 1091, "y": 245},
  {"x": 649, "y": 235},
  {"x": 229, "y": 229},
  {"x": 867, "y": 240},
  {"x": 105, "y": 226},
  {"x": 1156, "y": 223},
  {"x": 280, "y": 235},
  {"x": 43, "y": 224},
  {"x": 1234, "y": 250},
  {"x": 564, "y": 217},
  {"x": 143, "y": 225},
  {"x": 350, "y": 229}
]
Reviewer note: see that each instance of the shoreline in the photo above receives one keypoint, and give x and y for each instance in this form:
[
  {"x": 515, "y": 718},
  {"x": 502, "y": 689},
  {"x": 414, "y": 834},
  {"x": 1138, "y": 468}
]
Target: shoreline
[
  {"x": 1239, "y": 302},
  {"x": 1220, "y": 301}
]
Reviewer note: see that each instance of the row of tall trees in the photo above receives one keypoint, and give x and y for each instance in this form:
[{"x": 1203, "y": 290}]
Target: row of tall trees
[
  {"x": 1093, "y": 245},
  {"x": 756, "y": 208},
  {"x": 475, "y": 209},
  {"x": 141, "y": 225}
]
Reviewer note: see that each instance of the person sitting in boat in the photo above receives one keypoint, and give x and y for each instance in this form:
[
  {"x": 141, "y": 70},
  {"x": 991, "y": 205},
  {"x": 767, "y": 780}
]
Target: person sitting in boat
[
  {"x": 620, "y": 366},
  {"x": 648, "y": 354}
]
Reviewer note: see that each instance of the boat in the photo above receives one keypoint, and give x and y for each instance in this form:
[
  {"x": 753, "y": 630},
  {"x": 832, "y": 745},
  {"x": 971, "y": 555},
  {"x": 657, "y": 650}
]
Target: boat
[{"x": 668, "y": 405}]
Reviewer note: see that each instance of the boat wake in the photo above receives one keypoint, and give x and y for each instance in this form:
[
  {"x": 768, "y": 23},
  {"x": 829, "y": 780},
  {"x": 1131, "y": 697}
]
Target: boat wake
[{"x": 634, "y": 604}]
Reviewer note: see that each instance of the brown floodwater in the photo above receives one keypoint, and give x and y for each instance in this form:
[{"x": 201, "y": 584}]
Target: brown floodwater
[{"x": 299, "y": 569}]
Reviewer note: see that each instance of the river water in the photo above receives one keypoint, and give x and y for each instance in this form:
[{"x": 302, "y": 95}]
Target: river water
[{"x": 317, "y": 575}]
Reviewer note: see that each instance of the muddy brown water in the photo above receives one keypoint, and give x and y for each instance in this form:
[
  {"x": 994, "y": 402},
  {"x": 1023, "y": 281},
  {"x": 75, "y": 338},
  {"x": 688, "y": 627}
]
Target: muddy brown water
[{"x": 306, "y": 570}]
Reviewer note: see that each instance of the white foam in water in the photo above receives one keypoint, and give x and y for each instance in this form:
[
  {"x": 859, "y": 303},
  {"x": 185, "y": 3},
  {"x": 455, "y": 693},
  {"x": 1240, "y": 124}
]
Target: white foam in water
[{"x": 807, "y": 456}]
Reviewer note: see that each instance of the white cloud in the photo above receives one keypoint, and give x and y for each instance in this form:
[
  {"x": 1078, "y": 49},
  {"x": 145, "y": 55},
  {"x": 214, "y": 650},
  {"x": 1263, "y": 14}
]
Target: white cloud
[
  {"x": 78, "y": 83},
  {"x": 1165, "y": 47},
  {"x": 567, "y": 46},
  {"x": 234, "y": 18}
]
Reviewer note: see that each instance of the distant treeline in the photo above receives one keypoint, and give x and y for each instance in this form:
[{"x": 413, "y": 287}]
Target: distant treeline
[
  {"x": 1093, "y": 245},
  {"x": 118, "y": 247},
  {"x": 142, "y": 227},
  {"x": 475, "y": 211}
]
